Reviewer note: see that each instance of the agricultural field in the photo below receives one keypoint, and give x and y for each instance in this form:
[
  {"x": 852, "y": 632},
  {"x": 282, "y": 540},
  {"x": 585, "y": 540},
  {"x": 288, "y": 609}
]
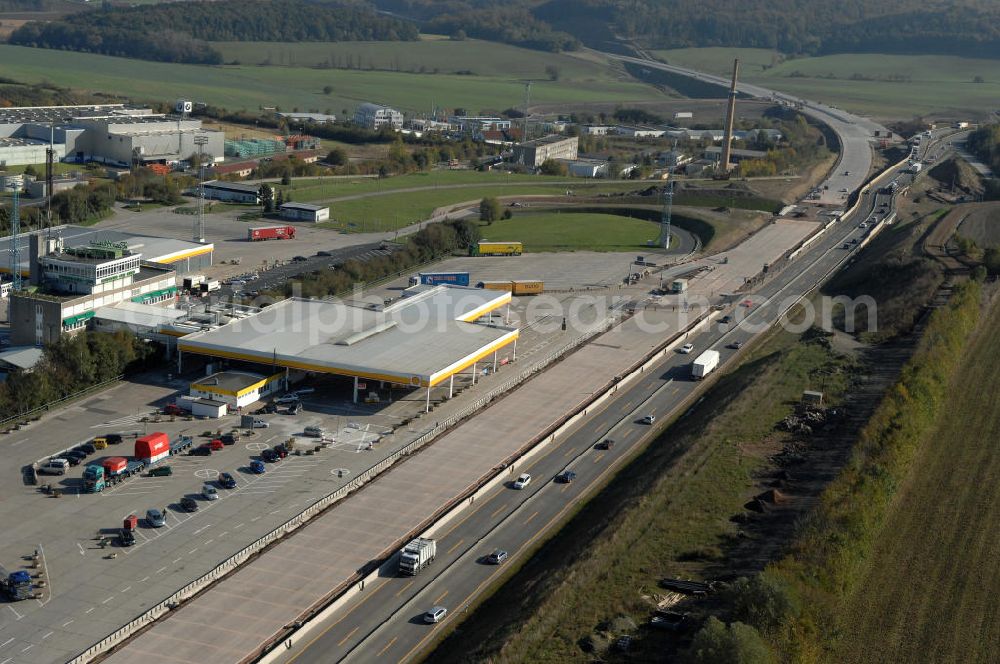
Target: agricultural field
[
  {"x": 251, "y": 87},
  {"x": 886, "y": 86},
  {"x": 471, "y": 57},
  {"x": 575, "y": 231},
  {"x": 932, "y": 580}
]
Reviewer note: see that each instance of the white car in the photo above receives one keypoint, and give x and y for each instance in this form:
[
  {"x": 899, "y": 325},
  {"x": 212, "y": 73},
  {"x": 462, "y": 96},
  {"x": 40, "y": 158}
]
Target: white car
[
  {"x": 686, "y": 348},
  {"x": 863, "y": 224},
  {"x": 287, "y": 399},
  {"x": 648, "y": 419},
  {"x": 523, "y": 480},
  {"x": 435, "y": 615}
]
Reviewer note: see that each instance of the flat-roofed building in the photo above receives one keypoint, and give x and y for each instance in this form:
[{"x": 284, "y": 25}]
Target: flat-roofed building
[
  {"x": 534, "y": 153},
  {"x": 304, "y": 212},
  {"x": 232, "y": 191},
  {"x": 420, "y": 341},
  {"x": 375, "y": 117}
]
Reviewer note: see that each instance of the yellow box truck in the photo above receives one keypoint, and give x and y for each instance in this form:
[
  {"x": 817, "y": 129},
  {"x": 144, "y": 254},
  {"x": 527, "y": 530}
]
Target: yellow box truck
[
  {"x": 527, "y": 287},
  {"x": 487, "y": 248},
  {"x": 496, "y": 285}
]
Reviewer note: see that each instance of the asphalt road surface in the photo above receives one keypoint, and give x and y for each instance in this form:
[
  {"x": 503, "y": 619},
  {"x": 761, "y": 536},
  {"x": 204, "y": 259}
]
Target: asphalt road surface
[{"x": 384, "y": 622}]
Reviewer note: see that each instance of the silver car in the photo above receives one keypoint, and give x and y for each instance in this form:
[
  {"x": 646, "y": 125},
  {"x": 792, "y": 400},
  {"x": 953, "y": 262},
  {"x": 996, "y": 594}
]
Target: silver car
[
  {"x": 435, "y": 615},
  {"x": 155, "y": 518}
]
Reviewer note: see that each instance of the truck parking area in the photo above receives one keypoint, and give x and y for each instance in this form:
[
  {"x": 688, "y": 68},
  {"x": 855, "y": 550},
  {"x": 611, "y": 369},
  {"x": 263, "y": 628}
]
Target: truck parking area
[{"x": 94, "y": 583}]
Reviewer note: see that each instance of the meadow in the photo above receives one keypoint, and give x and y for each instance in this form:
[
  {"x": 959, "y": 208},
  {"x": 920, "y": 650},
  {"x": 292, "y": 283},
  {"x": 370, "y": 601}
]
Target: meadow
[
  {"x": 887, "y": 86},
  {"x": 573, "y": 231},
  {"x": 252, "y": 87}
]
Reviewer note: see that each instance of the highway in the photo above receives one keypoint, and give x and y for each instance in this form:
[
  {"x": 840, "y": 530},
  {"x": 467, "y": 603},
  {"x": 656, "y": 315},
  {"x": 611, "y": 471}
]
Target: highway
[
  {"x": 855, "y": 133},
  {"x": 384, "y": 623}
]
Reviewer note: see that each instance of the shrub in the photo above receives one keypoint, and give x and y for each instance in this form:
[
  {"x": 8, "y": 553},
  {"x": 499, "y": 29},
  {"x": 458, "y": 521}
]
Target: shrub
[{"x": 718, "y": 643}]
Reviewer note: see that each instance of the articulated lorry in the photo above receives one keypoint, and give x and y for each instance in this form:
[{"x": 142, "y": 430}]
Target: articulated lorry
[
  {"x": 257, "y": 233},
  {"x": 438, "y": 278},
  {"x": 704, "y": 364},
  {"x": 16, "y": 585},
  {"x": 515, "y": 287},
  {"x": 417, "y": 555}
]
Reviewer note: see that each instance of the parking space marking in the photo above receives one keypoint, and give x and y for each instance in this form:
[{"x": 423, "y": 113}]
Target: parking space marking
[
  {"x": 126, "y": 589},
  {"x": 223, "y": 533},
  {"x": 47, "y": 635},
  {"x": 67, "y": 623},
  {"x": 19, "y": 616},
  {"x": 176, "y": 560},
  {"x": 6, "y": 660},
  {"x": 107, "y": 600},
  {"x": 89, "y": 610},
  {"x": 209, "y": 541},
  {"x": 80, "y": 546},
  {"x": 239, "y": 525},
  {"x": 20, "y": 442},
  {"x": 28, "y": 647},
  {"x": 191, "y": 551},
  {"x": 161, "y": 570},
  {"x": 4, "y": 644},
  {"x": 144, "y": 579}
]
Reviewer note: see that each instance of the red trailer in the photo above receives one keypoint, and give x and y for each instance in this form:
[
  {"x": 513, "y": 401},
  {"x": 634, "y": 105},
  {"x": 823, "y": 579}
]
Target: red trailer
[
  {"x": 255, "y": 233},
  {"x": 153, "y": 447},
  {"x": 115, "y": 466},
  {"x": 131, "y": 522}
]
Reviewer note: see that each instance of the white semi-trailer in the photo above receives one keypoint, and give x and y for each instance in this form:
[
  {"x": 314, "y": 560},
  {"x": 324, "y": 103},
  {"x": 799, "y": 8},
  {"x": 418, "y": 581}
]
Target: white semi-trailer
[{"x": 704, "y": 364}]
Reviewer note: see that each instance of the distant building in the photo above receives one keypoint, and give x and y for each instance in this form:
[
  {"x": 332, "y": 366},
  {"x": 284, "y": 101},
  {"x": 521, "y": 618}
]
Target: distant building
[
  {"x": 37, "y": 189},
  {"x": 714, "y": 153},
  {"x": 232, "y": 191},
  {"x": 595, "y": 130},
  {"x": 588, "y": 168},
  {"x": 640, "y": 132},
  {"x": 534, "y": 153},
  {"x": 315, "y": 118},
  {"x": 304, "y": 212},
  {"x": 474, "y": 124},
  {"x": 375, "y": 117}
]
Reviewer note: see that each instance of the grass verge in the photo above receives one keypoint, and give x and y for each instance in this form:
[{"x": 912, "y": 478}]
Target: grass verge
[
  {"x": 664, "y": 514},
  {"x": 572, "y": 231}
]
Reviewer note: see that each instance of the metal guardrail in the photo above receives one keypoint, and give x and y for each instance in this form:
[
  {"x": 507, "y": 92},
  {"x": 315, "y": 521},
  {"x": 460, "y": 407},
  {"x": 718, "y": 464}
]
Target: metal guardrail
[
  {"x": 69, "y": 397},
  {"x": 236, "y": 560}
]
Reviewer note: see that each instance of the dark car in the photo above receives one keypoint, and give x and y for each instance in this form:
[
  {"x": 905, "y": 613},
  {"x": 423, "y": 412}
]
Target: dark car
[
  {"x": 295, "y": 408},
  {"x": 726, "y": 320},
  {"x": 735, "y": 345},
  {"x": 229, "y": 439},
  {"x": 281, "y": 451},
  {"x": 161, "y": 471},
  {"x": 125, "y": 537},
  {"x": 227, "y": 481},
  {"x": 496, "y": 557},
  {"x": 113, "y": 438},
  {"x": 87, "y": 448},
  {"x": 189, "y": 504},
  {"x": 300, "y": 259},
  {"x": 78, "y": 453},
  {"x": 257, "y": 467},
  {"x": 324, "y": 253},
  {"x": 202, "y": 450},
  {"x": 72, "y": 459},
  {"x": 566, "y": 477},
  {"x": 269, "y": 455},
  {"x": 606, "y": 444},
  {"x": 269, "y": 409}
]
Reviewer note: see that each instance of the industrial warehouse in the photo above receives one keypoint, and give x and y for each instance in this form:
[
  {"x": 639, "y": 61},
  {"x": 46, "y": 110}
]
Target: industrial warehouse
[{"x": 419, "y": 341}]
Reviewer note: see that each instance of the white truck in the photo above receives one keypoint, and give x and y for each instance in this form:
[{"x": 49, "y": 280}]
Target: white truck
[
  {"x": 704, "y": 364},
  {"x": 417, "y": 555},
  {"x": 915, "y": 167}
]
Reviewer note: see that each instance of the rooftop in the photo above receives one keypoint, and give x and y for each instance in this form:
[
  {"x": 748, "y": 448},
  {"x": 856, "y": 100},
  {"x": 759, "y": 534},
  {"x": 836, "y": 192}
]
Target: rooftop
[
  {"x": 418, "y": 340},
  {"x": 548, "y": 140},
  {"x": 23, "y": 357},
  {"x": 232, "y": 186},
  {"x": 17, "y": 114},
  {"x": 143, "y": 315},
  {"x": 309, "y": 207},
  {"x": 230, "y": 381}
]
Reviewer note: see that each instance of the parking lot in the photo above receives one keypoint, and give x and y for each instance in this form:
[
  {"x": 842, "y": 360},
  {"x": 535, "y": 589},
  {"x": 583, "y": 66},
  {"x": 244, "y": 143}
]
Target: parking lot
[{"x": 90, "y": 592}]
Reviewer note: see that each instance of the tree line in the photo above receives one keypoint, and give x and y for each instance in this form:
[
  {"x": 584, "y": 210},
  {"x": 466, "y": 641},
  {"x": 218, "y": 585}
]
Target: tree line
[
  {"x": 179, "y": 32},
  {"x": 73, "y": 363},
  {"x": 433, "y": 241}
]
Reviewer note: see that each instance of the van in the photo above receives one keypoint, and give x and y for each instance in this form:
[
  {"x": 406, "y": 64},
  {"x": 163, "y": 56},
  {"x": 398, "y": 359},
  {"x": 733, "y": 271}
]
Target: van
[
  {"x": 54, "y": 467},
  {"x": 100, "y": 443}
]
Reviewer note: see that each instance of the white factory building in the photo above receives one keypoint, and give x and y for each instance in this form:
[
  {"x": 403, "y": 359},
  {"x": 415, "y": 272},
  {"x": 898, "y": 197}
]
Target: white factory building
[
  {"x": 374, "y": 117},
  {"x": 113, "y": 134}
]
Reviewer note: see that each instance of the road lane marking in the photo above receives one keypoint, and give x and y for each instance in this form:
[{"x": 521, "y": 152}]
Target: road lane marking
[
  {"x": 568, "y": 452},
  {"x": 403, "y": 589},
  {"x": 107, "y": 600},
  {"x": 456, "y": 545},
  {"x": 349, "y": 635},
  {"x": 144, "y": 579},
  {"x": 563, "y": 490},
  {"x": 207, "y": 542},
  {"x": 176, "y": 560},
  {"x": 28, "y": 647},
  {"x": 80, "y": 546},
  {"x": 47, "y": 635},
  {"x": 387, "y": 646},
  {"x": 126, "y": 589},
  {"x": 20, "y": 442},
  {"x": 207, "y": 525},
  {"x": 192, "y": 551},
  {"x": 440, "y": 597},
  {"x": 89, "y": 610},
  {"x": 528, "y": 520},
  {"x": 161, "y": 570},
  {"x": 338, "y": 621},
  {"x": 9, "y": 640},
  {"x": 239, "y": 525},
  {"x": 599, "y": 457},
  {"x": 67, "y": 623},
  {"x": 498, "y": 510}
]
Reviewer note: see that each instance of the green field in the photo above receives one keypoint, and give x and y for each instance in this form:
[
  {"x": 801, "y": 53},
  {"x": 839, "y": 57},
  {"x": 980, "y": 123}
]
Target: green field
[
  {"x": 425, "y": 56},
  {"x": 932, "y": 84},
  {"x": 930, "y": 593},
  {"x": 251, "y": 87},
  {"x": 393, "y": 211},
  {"x": 311, "y": 189},
  {"x": 573, "y": 231}
]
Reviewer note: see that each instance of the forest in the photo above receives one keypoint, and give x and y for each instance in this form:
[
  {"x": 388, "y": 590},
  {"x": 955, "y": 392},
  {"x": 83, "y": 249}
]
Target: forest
[{"x": 178, "y": 32}]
